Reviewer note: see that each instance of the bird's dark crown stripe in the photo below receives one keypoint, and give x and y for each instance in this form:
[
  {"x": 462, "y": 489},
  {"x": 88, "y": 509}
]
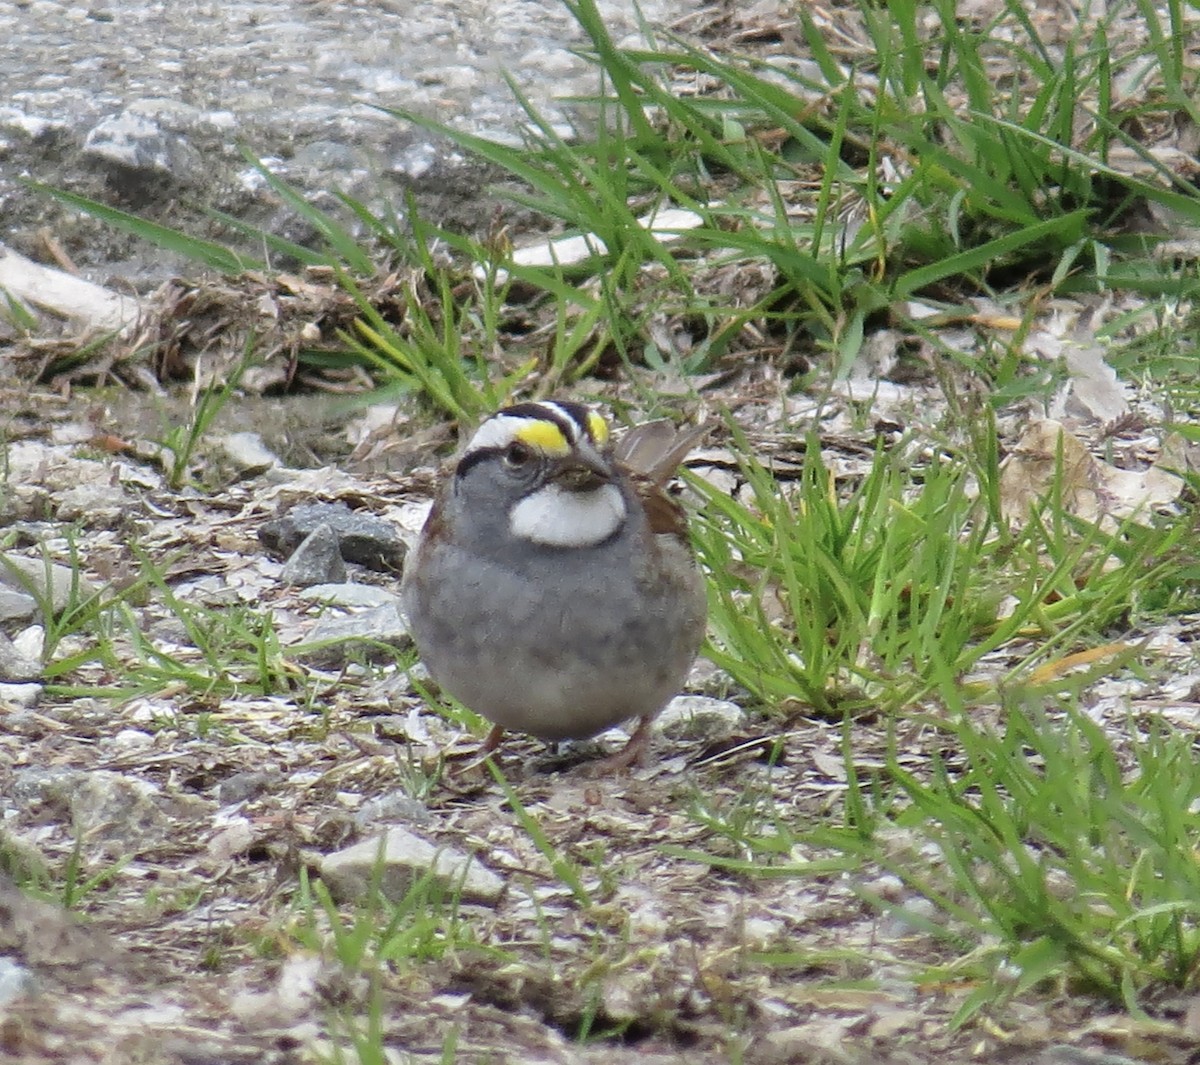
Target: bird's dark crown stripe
[
  {"x": 571, "y": 418},
  {"x": 579, "y": 414}
]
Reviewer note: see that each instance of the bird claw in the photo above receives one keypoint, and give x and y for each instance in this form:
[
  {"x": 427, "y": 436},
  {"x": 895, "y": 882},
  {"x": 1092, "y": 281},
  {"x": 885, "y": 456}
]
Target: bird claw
[{"x": 634, "y": 752}]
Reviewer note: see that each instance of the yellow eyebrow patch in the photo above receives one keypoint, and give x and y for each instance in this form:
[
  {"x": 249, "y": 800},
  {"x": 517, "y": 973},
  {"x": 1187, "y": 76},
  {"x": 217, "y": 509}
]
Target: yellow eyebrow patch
[
  {"x": 598, "y": 427},
  {"x": 543, "y": 436}
]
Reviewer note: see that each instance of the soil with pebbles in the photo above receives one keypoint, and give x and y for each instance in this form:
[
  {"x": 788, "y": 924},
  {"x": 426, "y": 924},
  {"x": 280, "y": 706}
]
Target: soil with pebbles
[
  {"x": 178, "y": 798},
  {"x": 178, "y": 823},
  {"x": 146, "y": 105}
]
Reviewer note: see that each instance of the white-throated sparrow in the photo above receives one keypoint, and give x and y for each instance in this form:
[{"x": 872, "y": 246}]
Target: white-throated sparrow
[{"x": 553, "y": 589}]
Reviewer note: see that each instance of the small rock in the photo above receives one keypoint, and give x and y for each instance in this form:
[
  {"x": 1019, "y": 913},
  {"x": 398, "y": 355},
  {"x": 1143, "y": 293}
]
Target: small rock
[
  {"x": 368, "y": 634},
  {"x": 20, "y": 696},
  {"x": 16, "y": 606},
  {"x": 915, "y": 917},
  {"x": 135, "y": 475},
  {"x": 15, "y": 666},
  {"x": 246, "y": 785},
  {"x": 139, "y": 147},
  {"x": 118, "y": 810},
  {"x": 393, "y": 806},
  {"x": 236, "y": 838},
  {"x": 30, "y": 642},
  {"x": 247, "y": 453},
  {"x": 15, "y": 981},
  {"x": 52, "y": 467},
  {"x": 294, "y": 1000},
  {"x": 406, "y": 858},
  {"x": 98, "y": 506},
  {"x": 362, "y": 538},
  {"x": 44, "y": 935},
  {"x": 132, "y": 739},
  {"x": 350, "y": 595},
  {"x": 36, "y": 577},
  {"x": 704, "y": 678},
  {"x": 323, "y": 156},
  {"x": 697, "y": 717},
  {"x": 316, "y": 561}
]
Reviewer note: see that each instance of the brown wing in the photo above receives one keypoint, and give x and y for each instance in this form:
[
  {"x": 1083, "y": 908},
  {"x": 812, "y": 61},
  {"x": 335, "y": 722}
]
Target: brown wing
[
  {"x": 663, "y": 513},
  {"x": 655, "y": 449}
]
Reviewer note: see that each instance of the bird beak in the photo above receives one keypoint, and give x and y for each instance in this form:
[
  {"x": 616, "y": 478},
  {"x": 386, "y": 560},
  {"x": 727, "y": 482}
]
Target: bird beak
[{"x": 583, "y": 471}]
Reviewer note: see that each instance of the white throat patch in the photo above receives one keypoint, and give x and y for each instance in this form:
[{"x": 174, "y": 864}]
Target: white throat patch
[{"x": 559, "y": 518}]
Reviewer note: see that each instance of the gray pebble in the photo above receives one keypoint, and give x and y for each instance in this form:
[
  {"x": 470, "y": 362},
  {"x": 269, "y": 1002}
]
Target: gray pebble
[
  {"x": 33, "y": 576},
  {"x": 15, "y": 666},
  {"x": 23, "y": 696},
  {"x": 350, "y": 595},
  {"x": 16, "y": 606},
  {"x": 362, "y": 538},
  {"x": 372, "y": 634},
  {"x": 316, "y": 561},
  {"x": 247, "y": 452},
  {"x": 242, "y": 786},
  {"x": 15, "y": 980},
  {"x": 406, "y": 858}
]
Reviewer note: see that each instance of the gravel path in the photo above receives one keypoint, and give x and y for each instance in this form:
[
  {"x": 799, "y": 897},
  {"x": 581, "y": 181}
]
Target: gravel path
[{"x": 144, "y": 104}]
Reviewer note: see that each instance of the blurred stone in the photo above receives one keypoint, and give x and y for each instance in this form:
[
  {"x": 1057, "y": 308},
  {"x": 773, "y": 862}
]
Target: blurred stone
[
  {"x": 42, "y": 934},
  {"x": 100, "y": 506},
  {"x": 697, "y": 717},
  {"x": 349, "y": 594},
  {"x": 316, "y": 561},
  {"x": 15, "y": 981},
  {"x": 117, "y": 811},
  {"x": 291, "y": 1003},
  {"x": 16, "y": 606},
  {"x": 138, "y": 148},
  {"x": 393, "y": 806},
  {"x": 406, "y": 858},
  {"x": 36, "y": 577},
  {"x": 362, "y": 538},
  {"x": 15, "y": 666},
  {"x": 247, "y": 452},
  {"x": 371, "y": 634},
  {"x": 246, "y": 785},
  {"x": 30, "y": 642},
  {"x": 22, "y": 696}
]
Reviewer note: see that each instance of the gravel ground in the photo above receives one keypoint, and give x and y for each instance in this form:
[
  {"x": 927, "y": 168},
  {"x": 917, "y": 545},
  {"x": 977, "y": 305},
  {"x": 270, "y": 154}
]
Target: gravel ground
[
  {"x": 181, "y": 821},
  {"x": 195, "y": 789},
  {"x": 144, "y": 105}
]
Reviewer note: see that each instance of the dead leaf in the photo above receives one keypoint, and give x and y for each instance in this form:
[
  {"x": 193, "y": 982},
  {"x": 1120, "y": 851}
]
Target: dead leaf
[
  {"x": 1094, "y": 391},
  {"x": 1060, "y": 667},
  {"x": 1049, "y": 458}
]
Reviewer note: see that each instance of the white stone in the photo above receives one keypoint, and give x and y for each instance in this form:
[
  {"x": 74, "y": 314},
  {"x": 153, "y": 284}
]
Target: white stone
[
  {"x": 20, "y": 695},
  {"x": 699, "y": 717},
  {"x": 406, "y": 858}
]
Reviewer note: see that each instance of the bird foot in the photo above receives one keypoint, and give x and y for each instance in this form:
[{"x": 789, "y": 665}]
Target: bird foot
[
  {"x": 633, "y": 753},
  {"x": 481, "y": 754}
]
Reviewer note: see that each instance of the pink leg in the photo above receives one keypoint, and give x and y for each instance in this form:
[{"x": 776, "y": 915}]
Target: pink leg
[
  {"x": 485, "y": 750},
  {"x": 493, "y": 740},
  {"x": 634, "y": 751}
]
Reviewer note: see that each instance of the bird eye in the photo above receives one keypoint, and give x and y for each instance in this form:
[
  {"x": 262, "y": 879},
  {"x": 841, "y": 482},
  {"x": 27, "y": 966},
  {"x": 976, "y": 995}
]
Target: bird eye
[{"x": 516, "y": 456}]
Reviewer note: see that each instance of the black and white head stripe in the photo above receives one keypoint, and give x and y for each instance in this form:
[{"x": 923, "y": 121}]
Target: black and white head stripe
[
  {"x": 551, "y": 513},
  {"x": 552, "y": 428}
]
